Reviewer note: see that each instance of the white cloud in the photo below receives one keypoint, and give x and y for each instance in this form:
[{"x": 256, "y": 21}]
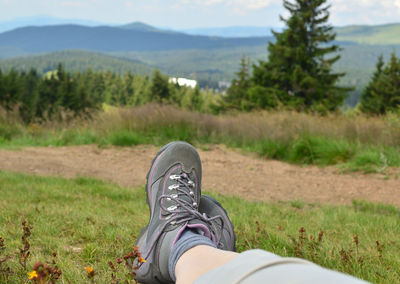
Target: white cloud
[
  {"x": 251, "y": 4},
  {"x": 345, "y": 12},
  {"x": 234, "y": 4},
  {"x": 201, "y": 2}
]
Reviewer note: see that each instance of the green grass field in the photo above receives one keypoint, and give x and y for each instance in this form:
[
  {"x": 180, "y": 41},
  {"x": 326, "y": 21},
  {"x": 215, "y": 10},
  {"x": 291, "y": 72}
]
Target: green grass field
[{"x": 89, "y": 223}]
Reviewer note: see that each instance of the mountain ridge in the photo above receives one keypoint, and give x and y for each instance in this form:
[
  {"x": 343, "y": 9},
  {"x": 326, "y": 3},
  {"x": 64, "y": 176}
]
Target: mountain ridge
[
  {"x": 76, "y": 60},
  {"x": 107, "y": 39}
]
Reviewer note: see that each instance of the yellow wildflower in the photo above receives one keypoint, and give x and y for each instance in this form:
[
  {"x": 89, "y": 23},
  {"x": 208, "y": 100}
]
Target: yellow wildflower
[
  {"x": 32, "y": 275},
  {"x": 90, "y": 272}
]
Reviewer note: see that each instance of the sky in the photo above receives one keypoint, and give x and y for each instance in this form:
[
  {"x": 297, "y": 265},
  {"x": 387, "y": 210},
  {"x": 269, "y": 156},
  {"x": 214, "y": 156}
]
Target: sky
[{"x": 185, "y": 14}]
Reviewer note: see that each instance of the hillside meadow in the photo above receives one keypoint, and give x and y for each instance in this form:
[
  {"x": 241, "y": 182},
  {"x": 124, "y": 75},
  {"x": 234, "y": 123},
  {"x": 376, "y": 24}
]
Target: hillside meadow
[
  {"x": 80, "y": 225},
  {"x": 351, "y": 142}
]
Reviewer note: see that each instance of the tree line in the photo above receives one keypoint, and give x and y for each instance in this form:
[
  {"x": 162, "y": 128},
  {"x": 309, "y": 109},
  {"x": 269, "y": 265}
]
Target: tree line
[{"x": 46, "y": 96}]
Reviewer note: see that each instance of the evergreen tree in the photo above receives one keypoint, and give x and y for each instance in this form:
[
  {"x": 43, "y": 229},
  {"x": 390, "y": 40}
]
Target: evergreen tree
[
  {"x": 237, "y": 95},
  {"x": 383, "y": 92},
  {"x": 29, "y": 95},
  {"x": 298, "y": 73},
  {"x": 128, "y": 88},
  {"x": 2, "y": 88},
  {"x": 49, "y": 100},
  {"x": 11, "y": 89},
  {"x": 98, "y": 88},
  {"x": 159, "y": 87},
  {"x": 196, "y": 99}
]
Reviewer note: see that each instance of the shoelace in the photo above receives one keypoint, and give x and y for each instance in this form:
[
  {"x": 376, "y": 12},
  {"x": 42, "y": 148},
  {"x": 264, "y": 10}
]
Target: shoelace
[{"x": 184, "y": 211}]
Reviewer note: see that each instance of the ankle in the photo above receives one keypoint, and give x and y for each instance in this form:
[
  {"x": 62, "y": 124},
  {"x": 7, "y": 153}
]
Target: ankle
[{"x": 198, "y": 261}]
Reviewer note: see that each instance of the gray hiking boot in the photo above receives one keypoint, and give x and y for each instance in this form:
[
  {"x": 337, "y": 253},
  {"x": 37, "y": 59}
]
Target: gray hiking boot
[
  {"x": 222, "y": 224},
  {"x": 173, "y": 194}
]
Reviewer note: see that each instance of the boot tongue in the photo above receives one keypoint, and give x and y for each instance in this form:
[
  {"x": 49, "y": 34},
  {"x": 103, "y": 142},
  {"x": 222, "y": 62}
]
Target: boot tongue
[
  {"x": 201, "y": 229},
  {"x": 198, "y": 227},
  {"x": 177, "y": 189}
]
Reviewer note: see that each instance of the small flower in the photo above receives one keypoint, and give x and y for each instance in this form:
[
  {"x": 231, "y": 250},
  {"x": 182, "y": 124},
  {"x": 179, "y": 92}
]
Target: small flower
[
  {"x": 90, "y": 272},
  {"x": 356, "y": 240},
  {"x": 32, "y": 275},
  {"x": 142, "y": 260}
]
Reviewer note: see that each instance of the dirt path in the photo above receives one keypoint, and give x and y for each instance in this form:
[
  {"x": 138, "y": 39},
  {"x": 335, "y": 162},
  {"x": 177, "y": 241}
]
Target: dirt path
[{"x": 224, "y": 171}]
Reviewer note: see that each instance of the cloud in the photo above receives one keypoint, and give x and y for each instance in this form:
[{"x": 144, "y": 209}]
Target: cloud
[
  {"x": 233, "y": 4},
  {"x": 346, "y": 12},
  {"x": 201, "y": 2},
  {"x": 252, "y": 4}
]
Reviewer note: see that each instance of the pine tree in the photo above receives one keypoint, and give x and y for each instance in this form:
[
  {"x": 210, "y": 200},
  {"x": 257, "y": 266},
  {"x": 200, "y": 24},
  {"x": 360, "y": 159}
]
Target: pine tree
[
  {"x": 237, "y": 96},
  {"x": 383, "y": 92},
  {"x": 128, "y": 88},
  {"x": 196, "y": 99},
  {"x": 159, "y": 87},
  {"x": 370, "y": 100},
  {"x": 298, "y": 73},
  {"x": 2, "y": 88},
  {"x": 29, "y": 95},
  {"x": 11, "y": 89}
]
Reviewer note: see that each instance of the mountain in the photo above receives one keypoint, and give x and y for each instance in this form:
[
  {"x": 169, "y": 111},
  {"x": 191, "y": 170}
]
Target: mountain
[
  {"x": 388, "y": 34},
  {"x": 236, "y": 31},
  {"x": 139, "y": 26},
  {"x": 42, "y": 21},
  {"x": 106, "y": 39},
  {"x": 76, "y": 61},
  {"x": 380, "y": 35}
]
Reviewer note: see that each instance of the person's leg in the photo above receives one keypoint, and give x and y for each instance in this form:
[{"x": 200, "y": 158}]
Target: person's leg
[
  {"x": 187, "y": 232},
  {"x": 207, "y": 265},
  {"x": 200, "y": 260}
]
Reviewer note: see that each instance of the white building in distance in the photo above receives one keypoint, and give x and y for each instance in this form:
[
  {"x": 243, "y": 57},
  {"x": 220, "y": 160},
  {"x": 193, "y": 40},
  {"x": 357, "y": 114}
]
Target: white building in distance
[{"x": 183, "y": 82}]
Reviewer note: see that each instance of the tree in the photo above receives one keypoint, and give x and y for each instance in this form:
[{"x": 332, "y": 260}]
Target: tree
[
  {"x": 383, "y": 92},
  {"x": 196, "y": 99},
  {"x": 298, "y": 71},
  {"x": 237, "y": 95},
  {"x": 29, "y": 95},
  {"x": 159, "y": 87},
  {"x": 10, "y": 89}
]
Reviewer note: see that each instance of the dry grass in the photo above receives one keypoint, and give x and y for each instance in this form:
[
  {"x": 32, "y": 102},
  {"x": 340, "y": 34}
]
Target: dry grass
[
  {"x": 282, "y": 125},
  {"x": 370, "y": 144}
]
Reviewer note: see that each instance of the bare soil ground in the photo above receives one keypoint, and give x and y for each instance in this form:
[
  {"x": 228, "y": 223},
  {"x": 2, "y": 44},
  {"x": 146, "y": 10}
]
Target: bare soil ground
[{"x": 224, "y": 171}]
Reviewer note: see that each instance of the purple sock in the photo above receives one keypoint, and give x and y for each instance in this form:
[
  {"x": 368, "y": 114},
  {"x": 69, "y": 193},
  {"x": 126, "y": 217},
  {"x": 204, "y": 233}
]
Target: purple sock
[{"x": 189, "y": 239}]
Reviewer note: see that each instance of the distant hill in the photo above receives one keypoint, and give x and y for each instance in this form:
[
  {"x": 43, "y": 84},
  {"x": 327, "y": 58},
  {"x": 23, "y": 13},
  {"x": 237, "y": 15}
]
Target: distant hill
[
  {"x": 382, "y": 34},
  {"x": 76, "y": 61},
  {"x": 238, "y": 31},
  {"x": 139, "y": 26},
  {"x": 106, "y": 39},
  {"x": 43, "y": 21}
]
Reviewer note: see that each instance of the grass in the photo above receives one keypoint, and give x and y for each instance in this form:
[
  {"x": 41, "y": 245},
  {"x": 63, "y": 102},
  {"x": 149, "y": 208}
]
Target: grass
[
  {"x": 89, "y": 223},
  {"x": 353, "y": 142}
]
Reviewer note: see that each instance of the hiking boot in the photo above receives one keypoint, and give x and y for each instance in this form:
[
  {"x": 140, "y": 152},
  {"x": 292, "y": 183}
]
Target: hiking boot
[
  {"x": 173, "y": 194},
  {"x": 219, "y": 217}
]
